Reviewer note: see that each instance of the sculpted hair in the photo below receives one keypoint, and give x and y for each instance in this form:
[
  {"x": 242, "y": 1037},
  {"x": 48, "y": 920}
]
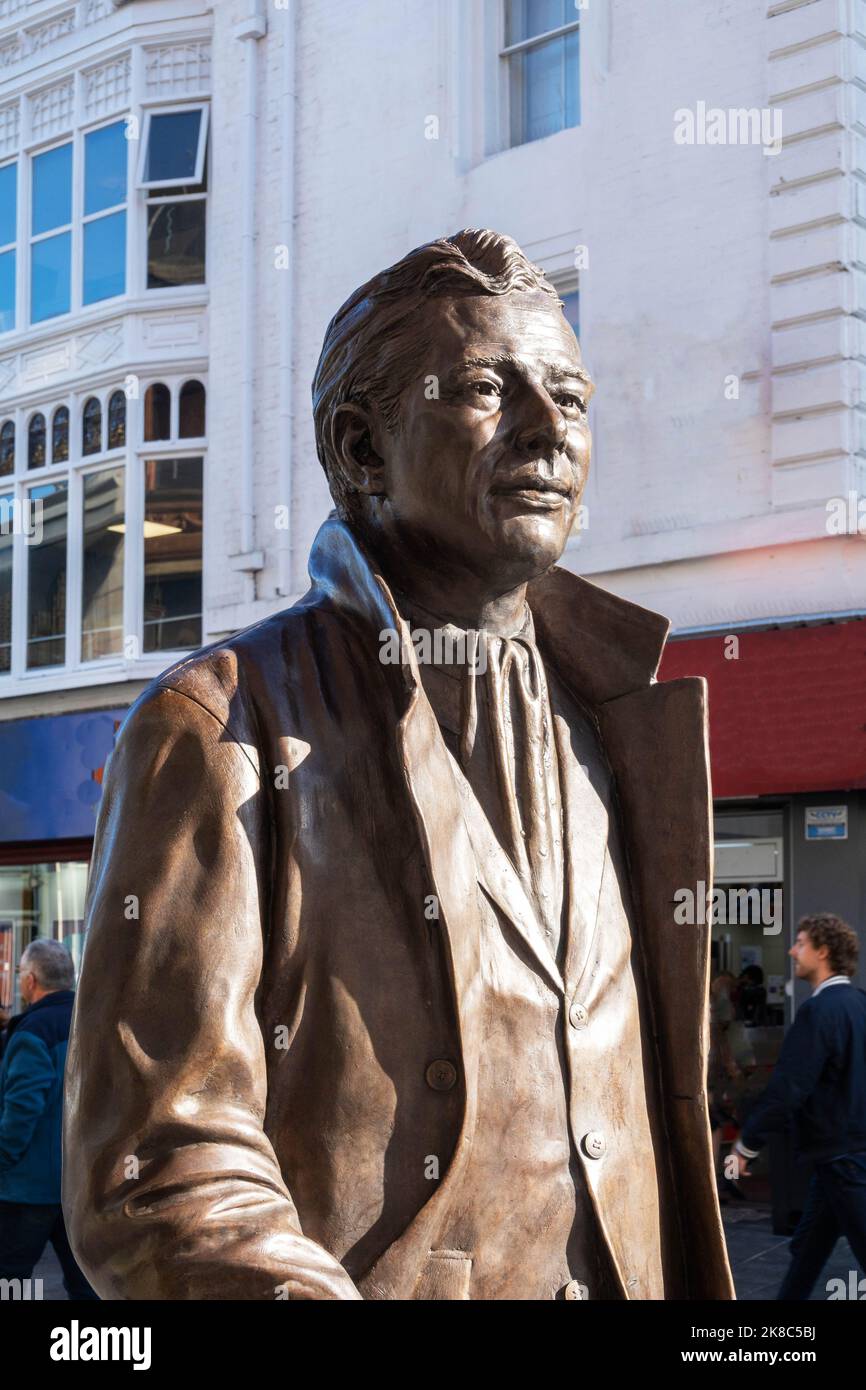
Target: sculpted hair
[
  {"x": 374, "y": 344},
  {"x": 823, "y": 929}
]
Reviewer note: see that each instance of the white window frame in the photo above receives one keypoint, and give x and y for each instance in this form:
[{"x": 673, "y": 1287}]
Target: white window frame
[
  {"x": 70, "y": 227},
  {"x": 131, "y": 457},
  {"x": 86, "y": 218},
  {"x": 509, "y": 51},
  {"x": 13, "y": 245},
  {"x": 76, "y": 138},
  {"x": 174, "y": 110}
]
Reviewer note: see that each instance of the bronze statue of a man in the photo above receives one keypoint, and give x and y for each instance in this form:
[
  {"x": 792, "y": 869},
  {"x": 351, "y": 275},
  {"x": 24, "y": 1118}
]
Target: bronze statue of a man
[{"x": 383, "y": 995}]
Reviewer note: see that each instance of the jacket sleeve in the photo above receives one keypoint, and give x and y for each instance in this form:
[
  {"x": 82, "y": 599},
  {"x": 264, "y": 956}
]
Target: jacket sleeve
[
  {"x": 29, "y": 1080},
  {"x": 804, "y": 1054},
  {"x": 171, "y": 1188}
]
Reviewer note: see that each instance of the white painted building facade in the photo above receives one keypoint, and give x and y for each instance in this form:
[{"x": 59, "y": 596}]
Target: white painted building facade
[{"x": 720, "y": 286}]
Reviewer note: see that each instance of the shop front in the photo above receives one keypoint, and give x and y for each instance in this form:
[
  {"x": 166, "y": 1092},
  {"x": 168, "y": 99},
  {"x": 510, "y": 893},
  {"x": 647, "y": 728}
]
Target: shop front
[
  {"x": 788, "y": 753},
  {"x": 50, "y": 788}
]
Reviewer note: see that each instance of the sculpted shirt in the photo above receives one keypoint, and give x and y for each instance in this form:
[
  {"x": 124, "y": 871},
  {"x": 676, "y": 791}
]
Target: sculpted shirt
[{"x": 491, "y": 698}]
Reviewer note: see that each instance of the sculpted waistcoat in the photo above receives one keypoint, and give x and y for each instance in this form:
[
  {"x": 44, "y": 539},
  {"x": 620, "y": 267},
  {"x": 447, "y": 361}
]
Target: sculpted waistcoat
[{"x": 566, "y": 1079}]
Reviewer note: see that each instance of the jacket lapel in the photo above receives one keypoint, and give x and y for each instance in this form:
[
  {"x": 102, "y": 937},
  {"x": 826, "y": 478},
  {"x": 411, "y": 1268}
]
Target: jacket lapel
[{"x": 500, "y": 879}]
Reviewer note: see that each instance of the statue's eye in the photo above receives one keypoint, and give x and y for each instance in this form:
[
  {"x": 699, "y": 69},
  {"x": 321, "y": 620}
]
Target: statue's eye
[
  {"x": 572, "y": 402},
  {"x": 486, "y": 388}
]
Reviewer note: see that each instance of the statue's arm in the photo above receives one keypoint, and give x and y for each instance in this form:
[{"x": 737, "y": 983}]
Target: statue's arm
[{"x": 171, "y": 1188}]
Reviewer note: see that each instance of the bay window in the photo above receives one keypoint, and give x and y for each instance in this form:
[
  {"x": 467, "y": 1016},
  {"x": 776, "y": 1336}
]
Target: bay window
[{"x": 109, "y": 566}]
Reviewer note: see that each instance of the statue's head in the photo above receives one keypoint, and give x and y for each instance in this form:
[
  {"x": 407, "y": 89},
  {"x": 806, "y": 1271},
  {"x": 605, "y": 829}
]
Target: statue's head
[{"x": 450, "y": 405}]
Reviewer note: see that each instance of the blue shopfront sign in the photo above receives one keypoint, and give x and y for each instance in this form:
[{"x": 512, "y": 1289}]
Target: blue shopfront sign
[{"x": 51, "y": 772}]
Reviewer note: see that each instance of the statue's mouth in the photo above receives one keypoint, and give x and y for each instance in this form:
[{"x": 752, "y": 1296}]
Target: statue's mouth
[{"x": 545, "y": 494}]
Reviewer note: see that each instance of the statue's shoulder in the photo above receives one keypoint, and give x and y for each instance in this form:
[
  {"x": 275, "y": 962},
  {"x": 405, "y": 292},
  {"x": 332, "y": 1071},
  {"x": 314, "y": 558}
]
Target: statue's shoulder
[{"x": 229, "y": 677}]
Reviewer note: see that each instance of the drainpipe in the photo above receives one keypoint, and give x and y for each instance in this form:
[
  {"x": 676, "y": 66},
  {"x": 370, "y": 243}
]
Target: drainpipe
[
  {"x": 287, "y": 297},
  {"x": 249, "y": 31}
]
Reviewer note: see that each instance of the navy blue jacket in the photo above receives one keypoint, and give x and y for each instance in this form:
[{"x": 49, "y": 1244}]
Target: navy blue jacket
[
  {"x": 31, "y": 1101},
  {"x": 818, "y": 1085}
]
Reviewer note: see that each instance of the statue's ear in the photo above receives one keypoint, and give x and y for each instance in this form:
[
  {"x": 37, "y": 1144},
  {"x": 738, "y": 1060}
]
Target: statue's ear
[{"x": 353, "y": 431}]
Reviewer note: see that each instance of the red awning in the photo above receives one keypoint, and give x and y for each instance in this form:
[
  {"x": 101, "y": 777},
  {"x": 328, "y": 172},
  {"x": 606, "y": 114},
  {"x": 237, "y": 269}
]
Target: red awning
[{"x": 789, "y": 713}]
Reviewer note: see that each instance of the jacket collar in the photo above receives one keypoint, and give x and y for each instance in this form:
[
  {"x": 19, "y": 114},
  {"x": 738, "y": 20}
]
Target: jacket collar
[
  {"x": 601, "y": 645},
  {"x": 53, "y": 998}
]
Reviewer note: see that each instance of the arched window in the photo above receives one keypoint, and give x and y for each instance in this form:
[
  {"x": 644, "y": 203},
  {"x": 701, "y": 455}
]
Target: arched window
[
  {"x": 60, "y": 435},
  {"x": 157, "y": 412},
  {"x": 7, "y": 447},
  {"x": 36, "y": 442},
  {"x": 91, "y": 427},
  {"x": 117, "y": 420},
  {"x": 192, "y": 410}
]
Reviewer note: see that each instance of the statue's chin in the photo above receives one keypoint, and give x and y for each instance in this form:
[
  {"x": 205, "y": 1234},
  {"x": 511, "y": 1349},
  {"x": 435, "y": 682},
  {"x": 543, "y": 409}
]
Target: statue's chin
[{"x": 529, "y": 544}]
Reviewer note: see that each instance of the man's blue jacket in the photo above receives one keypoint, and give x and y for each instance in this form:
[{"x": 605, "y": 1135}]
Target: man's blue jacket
[
  {"x": 818, "y": 1085},
  {"x": 31, "y": 1101}
]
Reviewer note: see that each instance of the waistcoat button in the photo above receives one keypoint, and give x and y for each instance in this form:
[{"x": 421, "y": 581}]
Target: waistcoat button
[
  {"x": 578, "y": 1016},
  {"x": 441, "y": 1075},
  {"x": 594, "y": 1144},
  {"x": 575, "y": 1290}
]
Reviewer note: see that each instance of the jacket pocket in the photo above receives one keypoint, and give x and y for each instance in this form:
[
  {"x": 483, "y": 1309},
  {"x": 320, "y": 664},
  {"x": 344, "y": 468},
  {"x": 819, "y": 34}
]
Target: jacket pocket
[{"x": 445, "y": 1275}]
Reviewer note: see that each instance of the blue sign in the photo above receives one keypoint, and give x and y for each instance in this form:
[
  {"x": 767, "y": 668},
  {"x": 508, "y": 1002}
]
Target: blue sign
[
  {"x": 826, "y": 822},
  {"x": 51, "y": 772}
]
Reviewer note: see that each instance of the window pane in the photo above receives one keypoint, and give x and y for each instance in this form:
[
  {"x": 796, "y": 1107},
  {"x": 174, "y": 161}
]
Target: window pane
[
  {"x": 104, "y": 257},
  {"x": 117, "y": 421},
  {"x": 38, "y": 900},
  {"x": 175, "y": 244},
  {"x": 571, "y": 310},
  {"x": 192, "y": 409},
  {"x": 172, "y": 146},
  {"x": 8, "y": 203},
  {"x": 49, "y": 289},
  {"x": 7, "y": 291},
  {"x": 545, "y": 89},
  {"x": 102, "y": 578},
  {"x": 7, "y": 447},
  {"x": 52, "y": 189},
  {"x": 60, "y": 435},
  {"x": 157, "y": 412},
  {"x": 6, "y": 582},
  {"x": 36, "y": 442},
  {"x": 172, "y": 554},
  {"x": 105, "y": 154},
  {"x": 46, "y": 579},
  {"x": 91, "y": 427},
  {"x": 526, "y": 18}
]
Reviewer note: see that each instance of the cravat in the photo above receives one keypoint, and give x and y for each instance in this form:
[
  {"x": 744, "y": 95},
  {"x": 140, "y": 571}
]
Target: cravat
[{"x": 506, "y": 748}]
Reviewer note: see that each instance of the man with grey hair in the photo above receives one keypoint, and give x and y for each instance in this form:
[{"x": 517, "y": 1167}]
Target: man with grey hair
[
  {"x": 31, "y": 1105},
  {"x": 383, "y": 995}
]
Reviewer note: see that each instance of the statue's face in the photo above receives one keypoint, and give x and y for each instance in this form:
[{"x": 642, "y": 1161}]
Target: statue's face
[{"x": 490, "y": 472}]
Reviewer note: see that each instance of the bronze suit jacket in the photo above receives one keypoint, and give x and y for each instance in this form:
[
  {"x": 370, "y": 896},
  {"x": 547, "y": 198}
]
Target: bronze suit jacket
[{"x": 272, "y": 1033}]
